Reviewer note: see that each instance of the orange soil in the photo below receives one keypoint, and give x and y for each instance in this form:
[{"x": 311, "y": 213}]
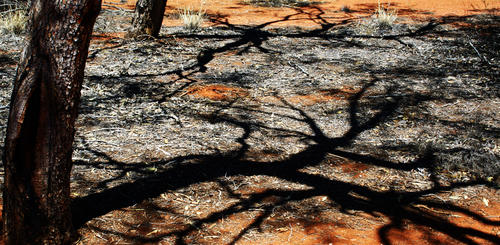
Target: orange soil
[
  {"x": 365, "y": 232},
  {"x": 108, "y": 36},
  {"x": 328, "y": 11},
  {"x": 304, "y": 233},
  {"x": 108, "y": 39},
  {"x": 322, "y": 96},
  {"x": 216, "y": 92},
  {"x": 225, "y": 93}
]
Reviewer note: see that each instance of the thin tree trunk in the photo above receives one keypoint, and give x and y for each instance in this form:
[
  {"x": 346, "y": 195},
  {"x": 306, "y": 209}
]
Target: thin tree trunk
[
  {"x": 148, "y": 17},
  {"x": 40, "y": 131}
]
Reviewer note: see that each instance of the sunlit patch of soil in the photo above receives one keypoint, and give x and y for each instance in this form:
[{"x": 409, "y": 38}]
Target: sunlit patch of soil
[
  {"x": 368, "y": 232},
  {"x": 108, "y": 36},
  {"x": 111, "y": 4},
  {"x": 322, "y": 96},
  {"x": 355, "y": 169},
  {"x": 108, "y": 39},
  {"x": 408, "y": 233},
  {"x": 274, "y": 220},
  {"x": 492, "y": 212},
  {"x": 216, "y": 92},
  {"x": 236, "y": 12}
]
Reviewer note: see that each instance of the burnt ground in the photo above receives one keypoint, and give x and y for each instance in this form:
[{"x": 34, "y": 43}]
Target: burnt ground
[{"x": 353, "y": 133}]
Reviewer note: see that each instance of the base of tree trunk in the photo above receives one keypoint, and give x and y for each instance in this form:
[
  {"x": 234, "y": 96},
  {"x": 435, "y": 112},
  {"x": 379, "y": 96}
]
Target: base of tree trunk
[
  {"x": 148, "y": 17},
  {"x": 40, "y": 131}
]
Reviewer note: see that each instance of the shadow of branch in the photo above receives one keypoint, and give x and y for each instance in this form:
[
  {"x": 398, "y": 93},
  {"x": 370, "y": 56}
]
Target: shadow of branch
[{"x": 398, "y": 206}]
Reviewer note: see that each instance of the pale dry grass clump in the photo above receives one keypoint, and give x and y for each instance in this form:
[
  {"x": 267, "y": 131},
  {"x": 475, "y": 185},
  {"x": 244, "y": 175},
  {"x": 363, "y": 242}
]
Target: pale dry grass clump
[
  {"x": 384, "y": 16},
  {"x": 382, "y": 20},
  {"x": 192, "y": 19},
  {"x": 14, "y": 21}
]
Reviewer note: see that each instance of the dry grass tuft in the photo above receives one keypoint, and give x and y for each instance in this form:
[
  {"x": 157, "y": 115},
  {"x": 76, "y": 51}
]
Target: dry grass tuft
[
  {"x": 14, "y": 21},
  {"x": 192, "y": 19},
  {"x": 384, "y": 16},
  {"x": 381, "y": 21}
]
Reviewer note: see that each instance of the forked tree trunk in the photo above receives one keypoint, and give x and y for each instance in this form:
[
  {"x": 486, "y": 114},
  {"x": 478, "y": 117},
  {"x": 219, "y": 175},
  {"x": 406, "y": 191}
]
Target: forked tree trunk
[
  {"x": 40, "y": 131},
  {"x": 148, "y": 16}
]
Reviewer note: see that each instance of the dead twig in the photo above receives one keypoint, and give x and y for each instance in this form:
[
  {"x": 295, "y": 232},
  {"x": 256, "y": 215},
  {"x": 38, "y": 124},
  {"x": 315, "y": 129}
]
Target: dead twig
[
  {"x": 479, "y": 54},
  {"x": 291, "y": 232},
  {"x": 298, "y": 68}
]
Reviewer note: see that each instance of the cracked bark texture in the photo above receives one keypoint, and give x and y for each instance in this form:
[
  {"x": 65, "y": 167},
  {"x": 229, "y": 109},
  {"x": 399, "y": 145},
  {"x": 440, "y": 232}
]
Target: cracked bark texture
[
  {"x": 148, "y": 16},
  {"x": 40, "y": 131}
]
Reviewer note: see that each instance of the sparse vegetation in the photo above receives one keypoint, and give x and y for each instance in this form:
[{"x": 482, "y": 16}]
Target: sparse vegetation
[
  {"x": 382, "y": 20},
  {"x": 384, "y": 16},
  {"x": 13, "y": 17},
  {"x": 192, "y": 19}
]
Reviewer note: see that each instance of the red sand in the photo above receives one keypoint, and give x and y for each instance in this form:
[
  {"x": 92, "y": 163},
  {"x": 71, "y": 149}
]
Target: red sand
[{"x": 328, "y": 11}]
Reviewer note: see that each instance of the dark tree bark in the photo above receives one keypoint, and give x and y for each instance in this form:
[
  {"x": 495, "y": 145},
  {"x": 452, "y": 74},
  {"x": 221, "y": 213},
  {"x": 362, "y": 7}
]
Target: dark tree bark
[
  {"x": 148, "y": 16},
  {"x": 40, "y": 131}
]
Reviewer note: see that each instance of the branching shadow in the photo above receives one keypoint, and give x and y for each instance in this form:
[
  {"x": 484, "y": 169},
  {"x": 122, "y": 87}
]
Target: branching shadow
[
  {"x": 181, "y": 172},
  {"x": 396, "y": 205}
]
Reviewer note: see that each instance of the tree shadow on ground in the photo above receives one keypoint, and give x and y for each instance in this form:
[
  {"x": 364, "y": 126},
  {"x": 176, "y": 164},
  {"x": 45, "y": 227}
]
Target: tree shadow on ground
[{"x": 399, "y": 206}]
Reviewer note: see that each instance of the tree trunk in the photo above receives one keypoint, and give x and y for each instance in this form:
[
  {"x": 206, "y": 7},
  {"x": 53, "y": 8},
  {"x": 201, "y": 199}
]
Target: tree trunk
[
  {"x": 148, "y": 17},
  {"x": 40, "y": 131}
]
